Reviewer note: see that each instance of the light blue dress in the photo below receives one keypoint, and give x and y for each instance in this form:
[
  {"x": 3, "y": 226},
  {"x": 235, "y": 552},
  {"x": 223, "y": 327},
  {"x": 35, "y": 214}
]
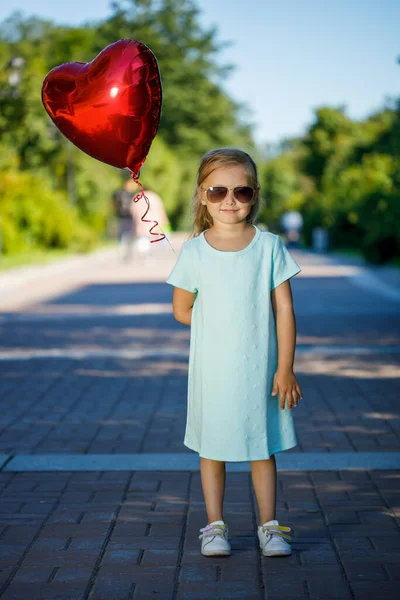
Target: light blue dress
[{"x": 231, "y": 414}]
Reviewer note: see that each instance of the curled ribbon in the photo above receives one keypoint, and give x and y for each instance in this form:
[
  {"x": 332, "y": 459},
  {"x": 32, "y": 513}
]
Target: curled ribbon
[{"x": 138, "y": 197}]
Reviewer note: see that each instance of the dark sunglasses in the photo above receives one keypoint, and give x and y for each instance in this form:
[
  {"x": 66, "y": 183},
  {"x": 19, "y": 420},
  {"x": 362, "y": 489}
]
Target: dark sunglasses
[{"x": 242, "y": 193}]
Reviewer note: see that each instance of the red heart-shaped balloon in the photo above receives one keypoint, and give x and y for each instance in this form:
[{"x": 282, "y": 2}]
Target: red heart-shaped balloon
[{"x": 110, "y": 107}]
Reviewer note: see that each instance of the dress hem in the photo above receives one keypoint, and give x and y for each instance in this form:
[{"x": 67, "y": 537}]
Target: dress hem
[{"x": 282, "y": 449}]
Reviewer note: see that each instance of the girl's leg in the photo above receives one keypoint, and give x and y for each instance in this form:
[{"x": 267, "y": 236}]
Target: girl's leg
[
  {"x": 264, "y": 476},
  {"x": 213, "y": 482}
]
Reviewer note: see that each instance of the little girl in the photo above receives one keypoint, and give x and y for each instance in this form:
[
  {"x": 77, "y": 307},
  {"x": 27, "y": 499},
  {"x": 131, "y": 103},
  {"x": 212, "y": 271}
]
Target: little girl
[{"x": 232, "y": 286}]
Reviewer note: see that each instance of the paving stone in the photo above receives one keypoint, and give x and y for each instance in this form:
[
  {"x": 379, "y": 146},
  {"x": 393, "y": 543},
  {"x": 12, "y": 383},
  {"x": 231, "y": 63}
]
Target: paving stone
[
  {"x": 222, "y": 590},
  {"x": 132, "y": 534},
  {"x": 38, "y": 591},
  {"x": 360, "y": 571},
  {"x": 380, "y": 590}
]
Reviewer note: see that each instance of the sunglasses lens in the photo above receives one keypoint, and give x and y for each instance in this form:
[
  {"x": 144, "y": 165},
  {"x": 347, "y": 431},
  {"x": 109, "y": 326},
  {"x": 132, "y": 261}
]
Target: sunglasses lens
[
  {"x": 216, "y": 194},
  {"x": 241, "y": 193},
  {"x": 244, "y": 194}
]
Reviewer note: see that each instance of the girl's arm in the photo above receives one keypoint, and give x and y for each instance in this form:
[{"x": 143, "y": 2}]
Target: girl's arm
[
  {"x": 285, "y": 380},
  {"x": 182, "y": 305},
  {"x": 186, "y": 319},
  {"x": 282, "y": 303}
]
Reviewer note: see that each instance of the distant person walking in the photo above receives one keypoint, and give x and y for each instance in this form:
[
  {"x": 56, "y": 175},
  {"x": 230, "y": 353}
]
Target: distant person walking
[{"x": 123, "y": 207}]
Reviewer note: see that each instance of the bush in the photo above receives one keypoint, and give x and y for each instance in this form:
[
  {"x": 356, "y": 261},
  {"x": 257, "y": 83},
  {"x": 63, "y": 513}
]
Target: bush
[{"x": 35, "y": 216}]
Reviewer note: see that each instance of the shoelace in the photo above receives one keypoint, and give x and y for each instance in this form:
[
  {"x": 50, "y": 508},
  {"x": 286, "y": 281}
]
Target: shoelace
[
  {"x": 212, "y": 530},
  {"x": 277, "y": 529}
]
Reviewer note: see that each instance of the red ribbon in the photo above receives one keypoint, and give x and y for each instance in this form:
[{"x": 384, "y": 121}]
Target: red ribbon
[{"x": 138, "y": 197}]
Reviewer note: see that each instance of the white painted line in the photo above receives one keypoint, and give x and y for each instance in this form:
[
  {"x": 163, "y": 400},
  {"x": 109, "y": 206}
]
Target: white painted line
[
  {"x": 178, "y": 351},
  {"x": 358, "y": 350},
  {"x": 87, "y": 354},
  {"x": 286, "y": 461}
]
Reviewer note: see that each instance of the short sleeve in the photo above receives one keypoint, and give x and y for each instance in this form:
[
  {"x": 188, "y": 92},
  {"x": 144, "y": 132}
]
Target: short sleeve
[
  {"x": 283, "y": 264},
  {"x": 183, "y": 275}
]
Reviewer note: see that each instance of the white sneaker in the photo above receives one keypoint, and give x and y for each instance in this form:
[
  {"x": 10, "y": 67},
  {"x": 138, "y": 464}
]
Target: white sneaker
[
  {"x": 214, "y": 539},
  {"x": 271, "y": 539}
]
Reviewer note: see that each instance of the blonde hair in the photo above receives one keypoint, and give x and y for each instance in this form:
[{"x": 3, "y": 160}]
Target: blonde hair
[{"x": 215, "y": 159}]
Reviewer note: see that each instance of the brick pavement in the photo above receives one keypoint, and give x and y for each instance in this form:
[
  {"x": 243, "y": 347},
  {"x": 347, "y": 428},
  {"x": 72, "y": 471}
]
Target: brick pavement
[
  {"x": 94, "y": 363},
  {"x": 122, "y": 535}
]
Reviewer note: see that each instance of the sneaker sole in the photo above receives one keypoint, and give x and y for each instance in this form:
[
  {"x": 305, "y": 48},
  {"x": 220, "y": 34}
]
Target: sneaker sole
[
  {"x": 275, "y": 552},
  {"x": 216, "y": 553}
]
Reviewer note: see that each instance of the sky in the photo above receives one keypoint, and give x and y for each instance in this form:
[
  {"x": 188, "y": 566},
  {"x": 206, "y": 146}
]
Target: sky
[{"x": 291, "y": 56}]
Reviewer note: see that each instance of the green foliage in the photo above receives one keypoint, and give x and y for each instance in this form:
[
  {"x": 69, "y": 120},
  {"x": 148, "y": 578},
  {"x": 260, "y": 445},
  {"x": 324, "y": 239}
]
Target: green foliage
[
  {"x": 343, "y": 174},
  {"x": 283, "y": 186},
  {"x": 367, "y": 200},
  {"x": 33, "y": 215},
  {"x": 163, "y": 172},
  {"x": 196, "y": 115}
]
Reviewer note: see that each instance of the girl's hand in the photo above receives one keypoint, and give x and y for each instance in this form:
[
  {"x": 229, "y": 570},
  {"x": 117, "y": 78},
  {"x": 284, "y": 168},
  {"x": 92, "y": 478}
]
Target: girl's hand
[{"x": 286, "y": 383}]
